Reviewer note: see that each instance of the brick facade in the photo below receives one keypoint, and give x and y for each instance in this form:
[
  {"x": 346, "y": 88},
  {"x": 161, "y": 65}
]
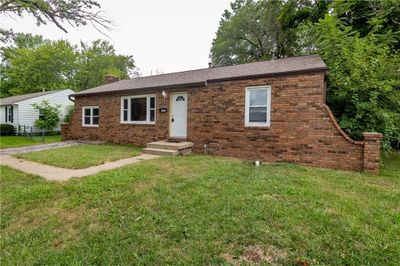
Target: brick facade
[{"x": 303, "y": 129}]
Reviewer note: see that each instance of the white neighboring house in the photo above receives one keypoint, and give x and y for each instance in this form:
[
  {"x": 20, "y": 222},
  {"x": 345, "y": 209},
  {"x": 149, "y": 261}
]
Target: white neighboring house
[{"x": 18, "y": 110}]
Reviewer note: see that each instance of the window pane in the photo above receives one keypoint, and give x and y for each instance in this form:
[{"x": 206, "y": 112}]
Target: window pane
[
  {"x": 152, "y": 115},
  {"x": 96, "y": 111},
  {"x": 258, "y": 97},
  {"x": 138, "y": 109},
  {"x": 152, "y": 102},
  {"x": 87, "y": 112},
  {"x": 258, "y": 114},
  {"x": 125, "y": 103},
  {"x": 95, "y": 120},
  {"x": 125, "y": 118},
  {"x": 87, "y": 120}
]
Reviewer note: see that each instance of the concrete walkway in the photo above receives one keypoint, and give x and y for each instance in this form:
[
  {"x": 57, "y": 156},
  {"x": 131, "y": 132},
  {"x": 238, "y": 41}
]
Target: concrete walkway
[
  {"x": 39, "y": 147},
  {"x": 62, "y": 174}
]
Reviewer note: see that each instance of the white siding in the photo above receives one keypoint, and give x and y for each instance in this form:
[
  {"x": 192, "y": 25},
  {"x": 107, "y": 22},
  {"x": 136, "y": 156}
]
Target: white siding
[
  {"x": 2, "y": 114},
  {"x": 28, "y": 115}
]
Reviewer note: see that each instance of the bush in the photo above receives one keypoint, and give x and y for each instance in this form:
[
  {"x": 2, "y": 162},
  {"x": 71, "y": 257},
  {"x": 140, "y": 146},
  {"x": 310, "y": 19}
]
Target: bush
[
  {"x": 68, "y": 116},
  {"x": 7, "y": 130},
  {"x": 49, "y": 116}
]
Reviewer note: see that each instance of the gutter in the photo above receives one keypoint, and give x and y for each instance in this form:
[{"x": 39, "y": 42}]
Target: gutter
[{"x": 70, "y": 97}]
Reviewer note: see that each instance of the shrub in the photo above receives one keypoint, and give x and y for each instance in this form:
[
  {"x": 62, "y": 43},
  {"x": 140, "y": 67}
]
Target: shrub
[
  {"x": 7, "y": 130},
  {"x": 69, "y": 113},
  {"x": 49, "y": 116}
]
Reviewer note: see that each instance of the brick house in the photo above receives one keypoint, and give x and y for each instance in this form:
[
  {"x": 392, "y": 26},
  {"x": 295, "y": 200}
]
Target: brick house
[{"x": 272, "y": 111}]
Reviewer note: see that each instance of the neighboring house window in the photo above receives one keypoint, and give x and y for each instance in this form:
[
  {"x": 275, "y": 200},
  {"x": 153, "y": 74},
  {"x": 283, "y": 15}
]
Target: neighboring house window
[
  {"x": 258, "y": 106},
  {"x": 138, "y": 109},
  {"x": 41, "y": 114},
  {"x": 9, "y": 114},
  {"x": 90, "y": 116}
]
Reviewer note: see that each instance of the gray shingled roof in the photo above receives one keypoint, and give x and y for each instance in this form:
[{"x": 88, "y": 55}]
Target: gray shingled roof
[
  {"x": 23, "y": 97},
  {"x": 200, "y": 76}
]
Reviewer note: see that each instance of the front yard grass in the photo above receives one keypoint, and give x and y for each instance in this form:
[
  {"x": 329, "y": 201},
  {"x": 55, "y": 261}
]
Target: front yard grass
[
  {"x": 81, "y": 156},
  {"x": 19, "y": 141},
  {"x": 203, "y": 210}
]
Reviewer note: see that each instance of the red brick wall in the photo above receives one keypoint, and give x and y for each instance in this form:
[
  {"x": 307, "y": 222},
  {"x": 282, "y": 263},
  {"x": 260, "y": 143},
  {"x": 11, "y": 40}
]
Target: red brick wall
[{"x": 303, "y": 130}]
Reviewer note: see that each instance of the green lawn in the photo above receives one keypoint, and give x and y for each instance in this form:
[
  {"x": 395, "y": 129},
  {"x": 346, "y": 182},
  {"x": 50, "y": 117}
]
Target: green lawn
[
  {"x": 203, "y": 210},
  {"x": 82, "y": 156},
  {"x": 19, "y": 141}
]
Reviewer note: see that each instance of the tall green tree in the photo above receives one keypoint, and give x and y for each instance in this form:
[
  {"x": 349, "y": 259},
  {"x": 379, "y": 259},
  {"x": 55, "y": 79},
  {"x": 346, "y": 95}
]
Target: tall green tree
[
  {"x": 96, "y": 60},
  {"x": 364, "y": 78},
  {"x": 260, "y": 30},
  {"x": 32, "y": 64}
]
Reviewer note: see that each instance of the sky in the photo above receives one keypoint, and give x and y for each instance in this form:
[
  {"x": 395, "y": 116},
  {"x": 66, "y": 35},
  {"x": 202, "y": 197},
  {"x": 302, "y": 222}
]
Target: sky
[{"x": 162, "y": 36}]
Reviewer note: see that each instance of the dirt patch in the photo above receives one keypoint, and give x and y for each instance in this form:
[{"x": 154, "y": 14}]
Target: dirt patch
[{"x": 255, "y": 255}]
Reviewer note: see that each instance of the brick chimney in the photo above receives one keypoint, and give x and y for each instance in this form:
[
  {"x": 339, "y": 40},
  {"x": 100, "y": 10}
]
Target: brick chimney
[{"x": 110, "y": 79}]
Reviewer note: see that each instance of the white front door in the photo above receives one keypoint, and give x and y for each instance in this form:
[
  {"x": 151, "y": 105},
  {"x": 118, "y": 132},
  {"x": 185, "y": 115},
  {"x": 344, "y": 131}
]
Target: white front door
[{"x": 178, "y": 117}]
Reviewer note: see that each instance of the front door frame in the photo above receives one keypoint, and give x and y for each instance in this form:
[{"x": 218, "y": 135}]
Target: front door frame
[{"x": 171, "y": 107}]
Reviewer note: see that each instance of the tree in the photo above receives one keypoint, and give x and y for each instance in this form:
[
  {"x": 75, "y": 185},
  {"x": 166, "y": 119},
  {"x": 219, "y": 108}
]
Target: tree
[
  {"x": 98, "y": 59},
  {"x": 261, "y": 30},
  {"x": 247, "y": 33},
  {"x": 364, "y": 79},
  {"x": 32, "y": 64},
  {"x": 49, "y": 116},
  {"x": 58, "y": 12}
]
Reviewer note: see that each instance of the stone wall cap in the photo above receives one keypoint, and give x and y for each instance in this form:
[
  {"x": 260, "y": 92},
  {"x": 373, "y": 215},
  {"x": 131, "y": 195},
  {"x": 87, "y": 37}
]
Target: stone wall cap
[{"x": 372, "y": 135}]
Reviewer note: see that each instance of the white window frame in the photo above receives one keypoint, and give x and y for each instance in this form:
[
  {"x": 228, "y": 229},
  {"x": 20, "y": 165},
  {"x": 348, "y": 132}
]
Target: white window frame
[
  {"x": 147, "y": 122},
  {"x": 10, "y": 115},
  {"x": 91, "y": 116},
  {"x": 247, "y": 123}
]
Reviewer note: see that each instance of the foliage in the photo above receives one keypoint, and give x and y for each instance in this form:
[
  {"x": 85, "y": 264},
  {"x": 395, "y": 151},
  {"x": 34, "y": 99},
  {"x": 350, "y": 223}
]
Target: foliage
[
  {"x": 49, "y": 116},
  {"x": 98, "y": 59},
  {"x": 202, "y": 210},
  {"x": 82, "y": 156},
  {"x": 72, "y": 12},
  {"x": 364, "y": 78},
  {"x": 261, "y": 30},
  {"x": 359, "y": 41},
  {"x": 32, "y": 64},
  {"x": 7, "y": 130},
  {"x": 69, "y": 113},
  {"x": 21, "y": 141}
]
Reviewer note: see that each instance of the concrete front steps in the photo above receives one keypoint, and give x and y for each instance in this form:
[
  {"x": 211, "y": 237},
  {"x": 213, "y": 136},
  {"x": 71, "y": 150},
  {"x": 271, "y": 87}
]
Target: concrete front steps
[{"x": 168, "y": 148}]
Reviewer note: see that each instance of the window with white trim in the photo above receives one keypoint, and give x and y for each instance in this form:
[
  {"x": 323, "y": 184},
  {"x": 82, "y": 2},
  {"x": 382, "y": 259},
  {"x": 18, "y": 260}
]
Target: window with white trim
[
  {"x": 90, "y": 116},
  {"x": 138, "y": 109},
  {"x": 258, "y": 106},
  {"x": 9, "y": 114}
]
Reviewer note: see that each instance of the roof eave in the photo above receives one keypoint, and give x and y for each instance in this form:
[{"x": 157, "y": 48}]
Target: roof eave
[
  {"x": 198, "y": 84},
  {"x": 294, "y": 72},
  {"x": 183, "y": 85}
]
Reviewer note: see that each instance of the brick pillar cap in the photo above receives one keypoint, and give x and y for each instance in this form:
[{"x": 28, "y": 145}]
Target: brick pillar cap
[{"x": 372, "y": 135}]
